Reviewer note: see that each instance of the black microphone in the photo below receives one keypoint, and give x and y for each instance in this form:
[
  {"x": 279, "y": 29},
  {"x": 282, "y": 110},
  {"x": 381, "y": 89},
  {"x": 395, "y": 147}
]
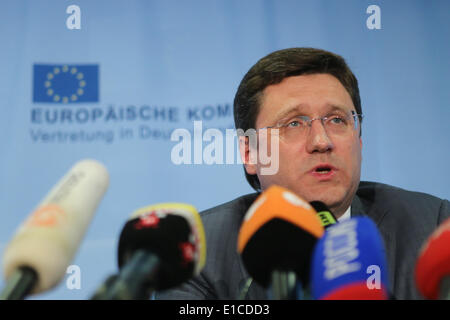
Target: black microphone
[
  {"x": 326, "y": 216},
  {"x": 160, "y": 247}
]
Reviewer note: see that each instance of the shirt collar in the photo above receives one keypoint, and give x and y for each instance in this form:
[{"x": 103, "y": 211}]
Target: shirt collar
[{"x": 347, "y": 215}]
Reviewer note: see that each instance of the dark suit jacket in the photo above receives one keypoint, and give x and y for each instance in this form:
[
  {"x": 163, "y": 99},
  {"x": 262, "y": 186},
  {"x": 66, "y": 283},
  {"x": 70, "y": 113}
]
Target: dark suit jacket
[{"x": 405, "y": 220}]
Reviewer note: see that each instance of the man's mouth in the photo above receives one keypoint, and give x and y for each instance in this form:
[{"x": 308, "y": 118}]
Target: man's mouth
[{"x": 323, "y": 171}]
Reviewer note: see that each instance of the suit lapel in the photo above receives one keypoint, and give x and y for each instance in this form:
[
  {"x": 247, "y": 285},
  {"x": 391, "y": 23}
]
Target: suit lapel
[
  {"x": 361, "y": 207},
  {"x": 357, "y": 207},
  {"x": 246, "y": 283}
]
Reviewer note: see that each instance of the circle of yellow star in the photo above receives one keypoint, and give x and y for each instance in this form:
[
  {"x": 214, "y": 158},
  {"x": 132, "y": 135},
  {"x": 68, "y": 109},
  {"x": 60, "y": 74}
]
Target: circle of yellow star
[{"x": 73, "y": 72}]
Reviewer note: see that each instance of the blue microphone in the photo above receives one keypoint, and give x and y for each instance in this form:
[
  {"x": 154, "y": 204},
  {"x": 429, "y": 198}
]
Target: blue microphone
[{"x": 349, "y": 263}]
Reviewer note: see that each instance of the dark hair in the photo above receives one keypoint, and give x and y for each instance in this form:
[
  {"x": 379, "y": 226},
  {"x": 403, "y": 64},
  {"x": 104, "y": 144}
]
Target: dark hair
[{"x": 276, "y": 66}]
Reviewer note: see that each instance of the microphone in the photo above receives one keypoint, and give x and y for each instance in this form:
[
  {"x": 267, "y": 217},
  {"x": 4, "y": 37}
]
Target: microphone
[
  {"x": 277, "y": 238},
  {"x": 37, "y": 257},
  {"x": 433, "y": 265},
  {"x": 349, "y": 263},
  {"x": 327, "y": 218},
  {"x": 160, "y": 247}
]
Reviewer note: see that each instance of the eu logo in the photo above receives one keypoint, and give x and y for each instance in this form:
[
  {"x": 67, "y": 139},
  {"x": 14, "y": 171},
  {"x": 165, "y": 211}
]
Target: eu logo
[{"x": 65, "y": 83}]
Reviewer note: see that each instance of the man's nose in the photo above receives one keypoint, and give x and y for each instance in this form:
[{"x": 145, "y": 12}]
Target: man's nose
[{"x": 318, "y": 139}]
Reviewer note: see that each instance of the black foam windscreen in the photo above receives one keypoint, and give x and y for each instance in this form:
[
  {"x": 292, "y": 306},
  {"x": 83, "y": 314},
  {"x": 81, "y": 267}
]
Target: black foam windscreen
[
  {"x": 169, "y": 238},
  {"x": 279, "y": 245},
  {"x": 327, "y": 217},
  {"x": 319, "y": 206}
]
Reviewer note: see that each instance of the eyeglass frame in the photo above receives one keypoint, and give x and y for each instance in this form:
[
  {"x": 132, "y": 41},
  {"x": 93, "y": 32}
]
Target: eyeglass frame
[{"x": 354, "y": 115}]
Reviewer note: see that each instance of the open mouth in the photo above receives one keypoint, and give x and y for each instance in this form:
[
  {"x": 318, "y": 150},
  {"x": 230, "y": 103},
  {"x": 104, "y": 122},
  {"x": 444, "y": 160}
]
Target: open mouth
[{"x": 323, "y": 170}]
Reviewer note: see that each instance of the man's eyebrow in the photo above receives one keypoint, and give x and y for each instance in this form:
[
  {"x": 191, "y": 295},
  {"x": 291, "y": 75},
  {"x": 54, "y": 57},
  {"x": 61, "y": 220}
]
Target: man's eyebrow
[
  {"x": 338, "y": 108},
  {"x": 300, "y": 107},
  {"x": 288, "y": 111}
]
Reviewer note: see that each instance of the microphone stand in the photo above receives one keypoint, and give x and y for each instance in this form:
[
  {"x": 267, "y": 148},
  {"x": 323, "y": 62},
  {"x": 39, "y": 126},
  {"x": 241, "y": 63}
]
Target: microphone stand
[
  {"x": 19, "y": 284},
  {"x": 284, "y": 285}
]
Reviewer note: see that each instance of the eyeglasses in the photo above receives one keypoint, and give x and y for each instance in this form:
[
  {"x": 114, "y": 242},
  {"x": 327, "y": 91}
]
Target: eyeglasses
[{"x": 339, "y": 123}]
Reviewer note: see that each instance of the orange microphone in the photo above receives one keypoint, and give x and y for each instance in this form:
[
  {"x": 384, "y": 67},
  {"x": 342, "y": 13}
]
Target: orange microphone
[{"x": 279, "y": 233}]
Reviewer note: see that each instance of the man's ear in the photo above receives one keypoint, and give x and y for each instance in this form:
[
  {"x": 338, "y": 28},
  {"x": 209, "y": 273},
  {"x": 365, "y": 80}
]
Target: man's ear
[{"x": 248, "y": 155}]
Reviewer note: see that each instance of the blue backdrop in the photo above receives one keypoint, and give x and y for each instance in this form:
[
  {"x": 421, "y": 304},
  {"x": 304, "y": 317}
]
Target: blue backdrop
[{"x": 152, "y": 66}]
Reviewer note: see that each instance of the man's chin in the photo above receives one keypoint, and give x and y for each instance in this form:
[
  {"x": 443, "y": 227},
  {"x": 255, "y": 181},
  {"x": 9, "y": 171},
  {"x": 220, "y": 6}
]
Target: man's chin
[
  {"x": 335, "y": 201},
  {"x": 330, "y": 199},
  {"x": 330, "y": 203},
  {"x": 332, "y": 196}
]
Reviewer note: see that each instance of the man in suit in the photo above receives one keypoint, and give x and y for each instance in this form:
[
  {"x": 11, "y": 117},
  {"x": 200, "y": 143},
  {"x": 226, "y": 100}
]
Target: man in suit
[{"x": 307, "y": 103}]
